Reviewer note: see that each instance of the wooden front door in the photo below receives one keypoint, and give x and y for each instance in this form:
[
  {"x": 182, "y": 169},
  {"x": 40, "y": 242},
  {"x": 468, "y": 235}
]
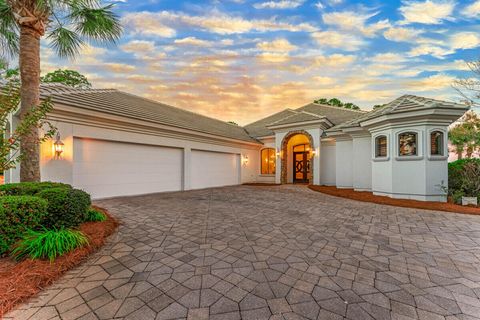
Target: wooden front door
[{"x": 301, "y": 167}]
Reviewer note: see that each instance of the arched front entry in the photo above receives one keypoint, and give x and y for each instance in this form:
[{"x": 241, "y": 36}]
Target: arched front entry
[{"x": 289, "y": 164}]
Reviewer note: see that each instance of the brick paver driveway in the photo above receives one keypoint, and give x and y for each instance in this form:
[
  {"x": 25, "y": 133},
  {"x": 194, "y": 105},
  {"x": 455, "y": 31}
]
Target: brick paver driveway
[{"x": 272, "y": 253}]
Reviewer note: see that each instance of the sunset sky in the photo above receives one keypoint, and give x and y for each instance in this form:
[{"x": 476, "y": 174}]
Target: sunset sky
[{"x": 240, "y": 60}]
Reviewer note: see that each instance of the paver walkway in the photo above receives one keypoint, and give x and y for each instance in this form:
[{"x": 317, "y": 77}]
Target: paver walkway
[{"x": 272, "y": 253}]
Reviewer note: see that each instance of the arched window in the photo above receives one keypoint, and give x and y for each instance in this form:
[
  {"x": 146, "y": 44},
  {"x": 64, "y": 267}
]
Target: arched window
[
  {"x": 380, "y": 146},
  {"x": 436, "y": 143},
  {"x": 407, "y": 144},
  {"x": 267, "y": 160}
]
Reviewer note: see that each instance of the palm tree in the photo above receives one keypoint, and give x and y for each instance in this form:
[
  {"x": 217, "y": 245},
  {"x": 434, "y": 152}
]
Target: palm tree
[{"x": 67, "y": 24}]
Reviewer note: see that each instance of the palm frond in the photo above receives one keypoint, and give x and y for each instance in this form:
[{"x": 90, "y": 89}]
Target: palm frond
[
  {"x": 65, "y": 42},
  {"x": 96, "y": 23},
  {"x": 9, "y": 39}
]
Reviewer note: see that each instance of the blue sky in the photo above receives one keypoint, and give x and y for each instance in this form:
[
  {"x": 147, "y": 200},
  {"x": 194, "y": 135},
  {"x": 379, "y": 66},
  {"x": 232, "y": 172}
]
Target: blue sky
[{"x": 243, "y": 59}]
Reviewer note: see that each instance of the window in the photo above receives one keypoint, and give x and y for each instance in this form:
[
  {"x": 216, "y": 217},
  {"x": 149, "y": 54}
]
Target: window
[
  {"x": 407, "y": 144},
  {"x": 268, "y": 161},
  {"x": 380, "y": 146},
  {"x": 301, "y": 148},
  {"x": 436, "y": 143}
]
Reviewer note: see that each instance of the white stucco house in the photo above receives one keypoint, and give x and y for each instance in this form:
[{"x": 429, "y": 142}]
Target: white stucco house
[{"x": 118, "y": 144}]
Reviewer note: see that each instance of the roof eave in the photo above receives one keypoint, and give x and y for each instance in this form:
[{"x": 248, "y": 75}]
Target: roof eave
[{"x": 297, "y": 124}]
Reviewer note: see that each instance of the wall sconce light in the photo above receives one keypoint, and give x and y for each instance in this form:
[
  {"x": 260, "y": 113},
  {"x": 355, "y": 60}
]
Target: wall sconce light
[
  {"x": 314, "y": 152},
  {"x": 58, "y": 147},
  {"x": 279, "y": 153},
  {"x": 245, "y": 160}
]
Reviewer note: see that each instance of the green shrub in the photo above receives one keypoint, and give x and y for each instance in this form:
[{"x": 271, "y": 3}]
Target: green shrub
[
  {"x": 48, "y": 243},
  {"x": 17, "y": 214},
  {"x": 95, "y": 215},
  {"x": 66, "y": 207},
  {"x": 29, "y": 188},
  {"x": 463, "y": 179}
]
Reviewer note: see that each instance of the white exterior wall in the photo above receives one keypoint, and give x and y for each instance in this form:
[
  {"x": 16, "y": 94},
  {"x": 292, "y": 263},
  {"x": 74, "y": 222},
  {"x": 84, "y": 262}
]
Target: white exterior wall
[
  {"x": 265, "y": 178},
  {"x": 328, "y": 162},
  {"x": 420, "y": 177},
  {"x": 344, "y": 163},
  {"x": 62, "y": 170},
  {"x": 382, "y": 169},
  {"x": 362, "y": 162}
]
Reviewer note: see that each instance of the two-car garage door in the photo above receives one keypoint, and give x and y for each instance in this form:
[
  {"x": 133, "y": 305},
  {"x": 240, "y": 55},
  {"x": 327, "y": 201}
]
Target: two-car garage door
[{"x": 110, "y": 169}]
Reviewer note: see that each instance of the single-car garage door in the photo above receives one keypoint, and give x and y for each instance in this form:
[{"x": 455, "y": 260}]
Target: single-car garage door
[
  {"x": 214, "y": 169},
  {"x": 108, "y": 169}
]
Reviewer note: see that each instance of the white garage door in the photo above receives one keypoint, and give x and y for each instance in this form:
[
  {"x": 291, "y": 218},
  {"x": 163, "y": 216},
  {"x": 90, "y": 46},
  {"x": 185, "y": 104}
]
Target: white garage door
[
  {"x": 214, "y": 169},
  {"x": 109, "y": 169}
]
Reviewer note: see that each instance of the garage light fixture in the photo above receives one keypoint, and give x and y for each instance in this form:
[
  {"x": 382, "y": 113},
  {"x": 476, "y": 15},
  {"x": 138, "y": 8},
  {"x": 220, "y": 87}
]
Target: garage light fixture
[
  {"x": 58, "y": 147},
  {"x": 245, "y": 160}
]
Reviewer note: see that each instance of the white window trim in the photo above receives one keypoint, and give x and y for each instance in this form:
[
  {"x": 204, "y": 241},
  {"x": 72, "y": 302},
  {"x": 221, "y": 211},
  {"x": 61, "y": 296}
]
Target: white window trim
[
  {"x": 374, "y": 149},
  {"x": 435, "y": 157},
  {"x": 419, "y": 155}
]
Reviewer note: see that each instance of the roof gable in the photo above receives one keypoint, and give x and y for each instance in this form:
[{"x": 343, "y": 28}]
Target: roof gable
[
  {"x": 309, "y": 112},
  {"x": 259, "y": 128}
]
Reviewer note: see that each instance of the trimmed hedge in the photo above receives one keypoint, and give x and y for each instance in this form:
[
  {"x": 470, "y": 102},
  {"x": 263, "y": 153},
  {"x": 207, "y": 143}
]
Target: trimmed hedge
[
  {"x": 67, "y": 207},
  {"x": 17, "y": 215},
  {"x": 29, "y": 188},
  {"x": 461, "y": 181}
]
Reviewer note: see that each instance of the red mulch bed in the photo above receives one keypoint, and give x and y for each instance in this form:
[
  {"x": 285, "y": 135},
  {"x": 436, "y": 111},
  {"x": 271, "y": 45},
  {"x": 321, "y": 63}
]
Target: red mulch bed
[
  {"x": 19, "y": 281},
  {"x": 260, "y": 184},
  {"x": 369, "y": 197}
]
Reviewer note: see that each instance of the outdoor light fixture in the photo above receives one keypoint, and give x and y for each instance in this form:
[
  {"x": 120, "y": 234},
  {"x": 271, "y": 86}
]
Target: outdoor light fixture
[
  {"x": 245, "y": 160},
  {"x": 314, "y": 152},
  {"x": 58, "y": 147}
]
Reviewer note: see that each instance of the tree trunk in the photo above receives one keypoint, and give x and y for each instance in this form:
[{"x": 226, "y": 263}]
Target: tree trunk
[
  {"x": 459, "y": 152},
  {"x": 29, "y": 62}
]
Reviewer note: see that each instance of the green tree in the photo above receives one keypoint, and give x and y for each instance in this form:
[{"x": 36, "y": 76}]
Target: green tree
[
  {"x": 352, "y": 106},
  {"x": 337, "y": 103},
  {"x": 465, "y": 137},
  {"x": 377, "y": 106},
  {"x": 67, "y": 77},
  {"x": 321, "y": 101},
  {"x": 67, "y": 24},
  {"x": 10, "y": 151}
]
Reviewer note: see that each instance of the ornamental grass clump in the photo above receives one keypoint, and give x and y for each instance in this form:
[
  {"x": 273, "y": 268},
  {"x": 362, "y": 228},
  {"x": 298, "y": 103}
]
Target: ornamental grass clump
[
  {"x": 94, "y": 215},
  {"x": 48, "y": 244}
]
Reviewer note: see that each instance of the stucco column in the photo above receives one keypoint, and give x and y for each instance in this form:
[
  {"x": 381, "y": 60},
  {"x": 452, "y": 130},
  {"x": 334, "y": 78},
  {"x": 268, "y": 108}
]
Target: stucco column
[
  {"x": 279, "y": 154},
  {"x": 187, "y": 169},
  {"x": 344, "y": 162},
  {"x": 316, "y": 134},
  {"x": 362, "y": 161}
]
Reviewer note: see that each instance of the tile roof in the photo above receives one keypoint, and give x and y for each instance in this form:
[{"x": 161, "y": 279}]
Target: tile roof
[
  {"x": 119, "y": 103},
  {"x": 259, "y": 128},
  {"x": 404, "y": 103},
  {"x": 297, "y": 117},
  {"x": 335, "y": 115}
]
